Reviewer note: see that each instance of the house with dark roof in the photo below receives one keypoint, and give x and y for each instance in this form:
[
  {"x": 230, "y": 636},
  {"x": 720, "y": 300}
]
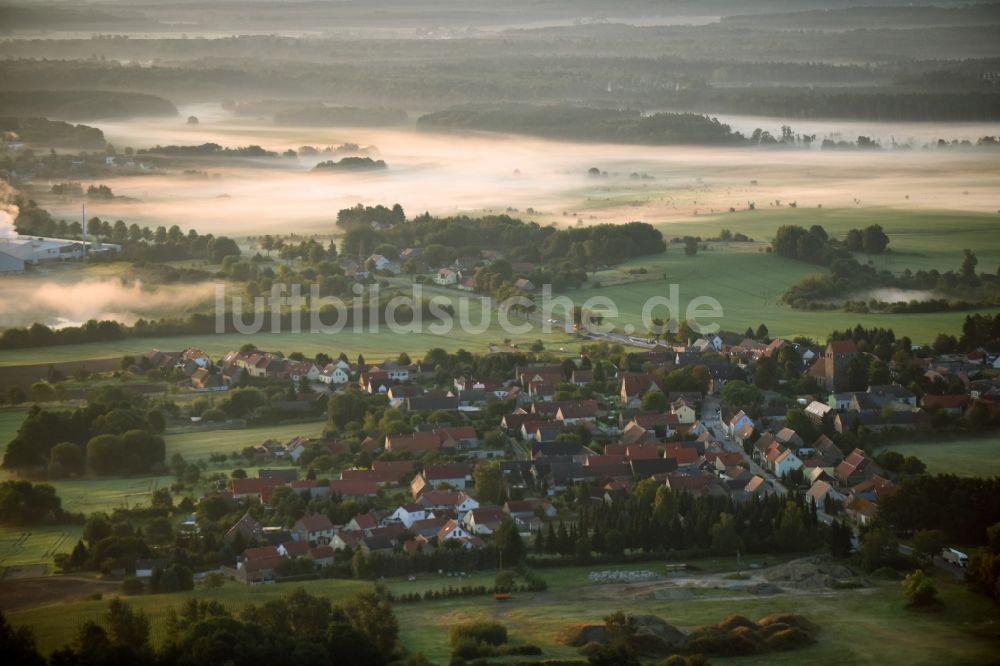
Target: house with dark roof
[
  {"x": 247, "y": 528},
  {"x": 456, "y": 475},
  {"x": 855, "y": 468},
  {"x": 571, "y": 450},
  {"x": 432, "y": 401},
  {"x": 635, "y": 385},
  {"x": 483, "y": 520},
  {"x": 315, "y": 528},
  {"x": 416, "y": 443},
  {"x": 356, "y": 489}
]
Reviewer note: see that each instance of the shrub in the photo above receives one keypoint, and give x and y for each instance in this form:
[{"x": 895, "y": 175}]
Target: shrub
[
  {"x": 132, "y": 585},
  {"x": 490, "y": 633}
]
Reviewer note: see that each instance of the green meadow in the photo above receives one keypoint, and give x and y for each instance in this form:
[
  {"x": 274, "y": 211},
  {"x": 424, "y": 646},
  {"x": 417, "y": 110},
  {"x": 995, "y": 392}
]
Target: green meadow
[
  {"x": 748, "y": 285},
  {"x": 975, "y": 456},
  {"x": 11, "y": 419},
  {"x": 866, "y": 626},
  {"x": 919, "y": 239},
  {"x": 197, "y": 444},
  {"x": 374, "y": 345},
  {"x": 749, "y": 282},
  {"x": 35, "y": 544}
]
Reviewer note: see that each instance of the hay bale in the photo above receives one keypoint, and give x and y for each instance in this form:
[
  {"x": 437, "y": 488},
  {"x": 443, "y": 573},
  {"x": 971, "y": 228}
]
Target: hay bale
[
  {"x": 787, "y": 638},
  {"x": 734, "y": 621},
  {"x": 714, "y": 641},
  {"x": 790, "y": 619}
]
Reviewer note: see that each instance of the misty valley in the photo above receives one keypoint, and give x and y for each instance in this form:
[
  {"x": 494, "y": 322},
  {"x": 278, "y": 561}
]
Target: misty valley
[{"x": 533, "y": 332}]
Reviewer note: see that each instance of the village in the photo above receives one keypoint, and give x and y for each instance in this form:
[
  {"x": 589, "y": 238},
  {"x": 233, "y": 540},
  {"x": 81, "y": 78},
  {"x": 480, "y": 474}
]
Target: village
[{"x": 583, "y": 428}]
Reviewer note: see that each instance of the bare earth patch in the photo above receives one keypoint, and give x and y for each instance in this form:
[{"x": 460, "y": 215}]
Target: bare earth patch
[{"x": 25, "y": 593}]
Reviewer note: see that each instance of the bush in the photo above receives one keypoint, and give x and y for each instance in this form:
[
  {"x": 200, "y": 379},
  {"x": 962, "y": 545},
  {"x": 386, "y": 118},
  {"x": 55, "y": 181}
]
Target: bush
[
  {"x": 214, "y": 415},
  {"x": 132, "y": 585},
  {"x": 783, "y": 637},
  {"x": 490, "y": 633}
]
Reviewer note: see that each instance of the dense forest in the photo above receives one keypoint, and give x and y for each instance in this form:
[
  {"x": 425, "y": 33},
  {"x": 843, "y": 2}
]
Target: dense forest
[
  {"x": 339, "y": 116},
  {"x": 445, "y": 238},
  {"x": 583, "y": 124},
  {"x": 83, "y": 104},
  {"x": 896, "y": 63},
  {"x": 46, "y": 133}
]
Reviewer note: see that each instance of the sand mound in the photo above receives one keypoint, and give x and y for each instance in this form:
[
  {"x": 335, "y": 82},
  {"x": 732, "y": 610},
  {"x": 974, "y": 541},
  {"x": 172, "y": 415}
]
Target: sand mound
[{"x": 809, "y": 574}]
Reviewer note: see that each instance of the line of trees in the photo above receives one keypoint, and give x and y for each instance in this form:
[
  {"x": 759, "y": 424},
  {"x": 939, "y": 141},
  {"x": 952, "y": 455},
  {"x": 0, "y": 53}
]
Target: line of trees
[{"x": 297, "y": 628}]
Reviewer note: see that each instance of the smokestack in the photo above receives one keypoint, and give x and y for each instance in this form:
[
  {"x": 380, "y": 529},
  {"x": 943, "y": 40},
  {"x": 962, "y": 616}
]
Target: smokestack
[{"x": 83, "y": 226}]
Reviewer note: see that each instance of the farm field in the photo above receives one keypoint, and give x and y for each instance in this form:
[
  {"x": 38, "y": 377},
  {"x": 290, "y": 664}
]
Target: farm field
[
  {"x": 35, "y": 544},
  {"x": 11, "y": 419},
  {"x": 749, "y": 285},
  {"x": 199, "y": 444},
  {"x": 378, "y": 345},
  {"x": 866, "y": 626},
  {"x": 923, "y": 239},
  {"x": 975, "y": 456},
  {"x": 87, "y": 495}
]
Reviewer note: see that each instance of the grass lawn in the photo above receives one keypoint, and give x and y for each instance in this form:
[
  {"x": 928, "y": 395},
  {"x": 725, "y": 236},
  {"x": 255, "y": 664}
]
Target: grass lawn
[
  {"x": 975, "y": 456},
  {"x": 197, "y": 444}
]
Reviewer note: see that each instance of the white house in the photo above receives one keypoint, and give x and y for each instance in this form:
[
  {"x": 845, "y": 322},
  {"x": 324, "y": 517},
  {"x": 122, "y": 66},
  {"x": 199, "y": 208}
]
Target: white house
[
  {"x": 683, "y": 411},
  {"x": 315, "y": 528},
  {"x": 409, "y": 514},
  {"x": 739, "y": 420},
  {"x": 446, "y": 277},
  {"x": 816, "y": 410},
  {"x": 397, "y": 373},
  {"x": 786, "y": 462},
  {"x": 295, "y": 448},
  {"x": 452, "y": 530},
  {"x": 334, "y": 374},
  {"x": 483, "y": 521}
]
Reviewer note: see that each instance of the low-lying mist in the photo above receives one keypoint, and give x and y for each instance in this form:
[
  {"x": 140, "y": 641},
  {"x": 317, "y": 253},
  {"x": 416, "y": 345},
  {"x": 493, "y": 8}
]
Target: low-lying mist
[
  {"x": 26, "y": 300},
  {"x": 453, "y": 173}
]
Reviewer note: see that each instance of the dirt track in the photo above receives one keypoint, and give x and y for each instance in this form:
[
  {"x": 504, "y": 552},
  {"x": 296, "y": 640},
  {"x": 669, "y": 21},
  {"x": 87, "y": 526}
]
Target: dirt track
[{"x": 809, "y": 575}]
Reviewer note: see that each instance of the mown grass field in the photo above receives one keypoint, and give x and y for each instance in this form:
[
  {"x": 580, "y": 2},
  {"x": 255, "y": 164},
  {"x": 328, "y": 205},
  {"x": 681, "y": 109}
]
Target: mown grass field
[
  {"x": 35, "y": 544},
  {"x": 199, "y": 444},
  {"x": 868, "y": 626},
  {"x": 380, "y": 344},
  {"x": 11, "y": 419},
  {"x": 86, "y": 495},
  {"x": 858, "y": 626},
  {"x": 749, "y": 285},
  {"x": 975, "y": 456},
  {"x": 922, "y": 239}
]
